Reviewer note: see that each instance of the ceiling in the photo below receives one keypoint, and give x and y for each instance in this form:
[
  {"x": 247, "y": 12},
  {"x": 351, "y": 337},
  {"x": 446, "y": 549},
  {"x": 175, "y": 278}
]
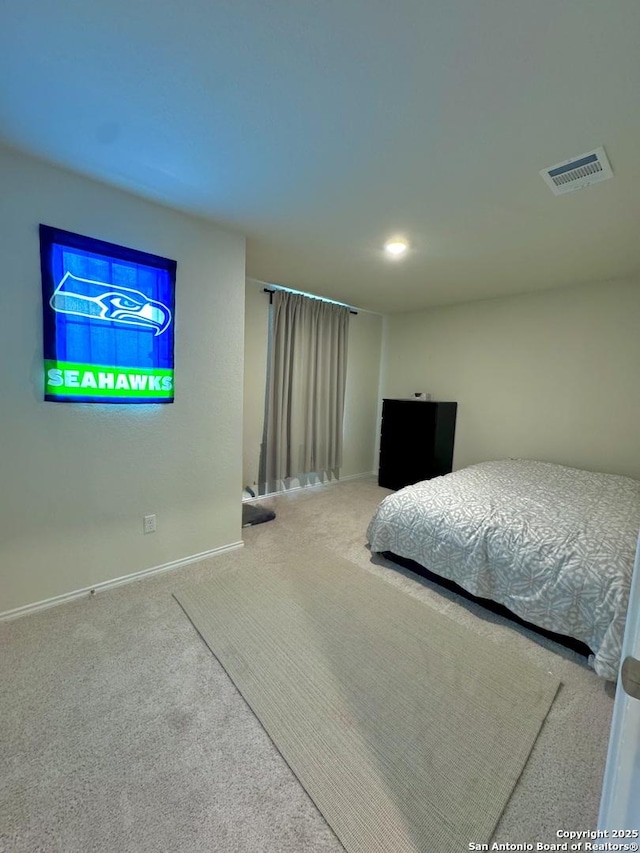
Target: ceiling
[{"x": 319, "y": 129}]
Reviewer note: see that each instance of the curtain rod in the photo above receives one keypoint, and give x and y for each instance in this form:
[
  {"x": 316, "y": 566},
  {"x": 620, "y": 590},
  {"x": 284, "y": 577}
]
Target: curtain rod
[{"x": 271, "y": 292}]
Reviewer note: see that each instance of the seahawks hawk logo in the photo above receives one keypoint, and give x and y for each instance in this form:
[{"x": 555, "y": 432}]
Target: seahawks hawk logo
[{"x": 109, "y": 302}]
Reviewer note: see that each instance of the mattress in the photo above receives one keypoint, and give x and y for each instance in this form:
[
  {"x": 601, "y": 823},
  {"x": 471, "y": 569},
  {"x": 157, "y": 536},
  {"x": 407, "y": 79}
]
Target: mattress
[{"x": 555, "y": 545}]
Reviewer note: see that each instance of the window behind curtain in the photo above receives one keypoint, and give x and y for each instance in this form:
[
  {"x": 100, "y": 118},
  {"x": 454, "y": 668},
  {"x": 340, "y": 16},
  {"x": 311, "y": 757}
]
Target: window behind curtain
[{"x": 305, "y": 389}]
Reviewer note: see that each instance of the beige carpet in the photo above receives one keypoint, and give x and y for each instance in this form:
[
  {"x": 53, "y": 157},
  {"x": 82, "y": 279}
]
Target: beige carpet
[{"x": 407, "y": 730}]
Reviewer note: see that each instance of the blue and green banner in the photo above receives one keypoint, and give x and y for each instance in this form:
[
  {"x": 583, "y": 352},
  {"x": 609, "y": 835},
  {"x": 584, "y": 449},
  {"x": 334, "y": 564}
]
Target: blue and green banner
[{"x": 108, "y": 317}]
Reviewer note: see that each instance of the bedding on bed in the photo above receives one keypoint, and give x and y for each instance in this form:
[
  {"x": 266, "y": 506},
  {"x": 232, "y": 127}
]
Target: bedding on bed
[{"x": 555, "y": 545}]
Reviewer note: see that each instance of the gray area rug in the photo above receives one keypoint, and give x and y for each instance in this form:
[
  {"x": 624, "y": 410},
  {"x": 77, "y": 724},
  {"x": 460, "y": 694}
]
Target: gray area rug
[{"x": 407, "y": 730}]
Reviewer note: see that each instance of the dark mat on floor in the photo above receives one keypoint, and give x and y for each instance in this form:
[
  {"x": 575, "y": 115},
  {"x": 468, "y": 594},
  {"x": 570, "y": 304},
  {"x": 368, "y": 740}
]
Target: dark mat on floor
[{"x": 256, "y": 514}]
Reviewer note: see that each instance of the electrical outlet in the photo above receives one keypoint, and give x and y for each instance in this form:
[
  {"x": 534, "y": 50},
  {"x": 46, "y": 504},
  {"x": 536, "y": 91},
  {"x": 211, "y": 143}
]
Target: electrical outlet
[{"x": 149, "y": 524}]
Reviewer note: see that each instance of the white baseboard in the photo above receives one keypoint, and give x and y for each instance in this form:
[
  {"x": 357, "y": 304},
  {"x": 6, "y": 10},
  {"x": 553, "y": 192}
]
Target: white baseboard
[
  {"x": 311, "y": 486},
  {"x": 104, "y": 585},
  {"x": 362, "y": 476}
]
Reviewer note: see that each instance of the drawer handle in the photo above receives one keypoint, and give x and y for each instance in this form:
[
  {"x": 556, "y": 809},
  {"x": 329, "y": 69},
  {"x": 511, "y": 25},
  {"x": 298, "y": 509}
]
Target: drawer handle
[{"x": 631, "y": 677}]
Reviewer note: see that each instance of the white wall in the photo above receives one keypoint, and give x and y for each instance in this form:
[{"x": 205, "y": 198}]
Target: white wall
[
  {"x": 78, "y": 478},
  {"x": 552, "y": 376},
  {"x": 361, "y": 395}
]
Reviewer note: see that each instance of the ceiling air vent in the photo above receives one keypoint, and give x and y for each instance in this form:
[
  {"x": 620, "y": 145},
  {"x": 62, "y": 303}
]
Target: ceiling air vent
[{"x": 577, "y": 173}]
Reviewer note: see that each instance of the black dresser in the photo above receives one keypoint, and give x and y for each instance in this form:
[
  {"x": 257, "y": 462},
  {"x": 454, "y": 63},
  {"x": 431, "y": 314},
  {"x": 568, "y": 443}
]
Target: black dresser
[{"x": 416, "y": 441}]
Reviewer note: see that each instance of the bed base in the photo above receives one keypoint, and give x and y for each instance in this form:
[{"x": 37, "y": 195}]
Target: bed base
[{"x": 568, "y": 642}]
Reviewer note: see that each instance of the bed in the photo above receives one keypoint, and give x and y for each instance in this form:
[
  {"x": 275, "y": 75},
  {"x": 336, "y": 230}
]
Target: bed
[{"x": 554, "y": 545}]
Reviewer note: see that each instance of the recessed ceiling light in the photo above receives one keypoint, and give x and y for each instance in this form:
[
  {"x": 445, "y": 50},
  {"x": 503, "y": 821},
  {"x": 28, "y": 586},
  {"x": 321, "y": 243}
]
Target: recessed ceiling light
[{"x": 396, "y": 247}]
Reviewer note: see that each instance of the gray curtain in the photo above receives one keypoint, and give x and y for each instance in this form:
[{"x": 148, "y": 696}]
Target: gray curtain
[{"x": 305, "y": 389}]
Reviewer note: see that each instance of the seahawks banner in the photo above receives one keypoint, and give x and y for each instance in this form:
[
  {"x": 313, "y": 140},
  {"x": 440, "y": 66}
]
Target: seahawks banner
[{"x": 108, "y": 321}]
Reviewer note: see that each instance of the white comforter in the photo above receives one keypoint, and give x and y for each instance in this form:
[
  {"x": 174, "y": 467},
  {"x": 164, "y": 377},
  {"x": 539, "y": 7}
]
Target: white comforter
[{"x": 555, "y": 545}]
